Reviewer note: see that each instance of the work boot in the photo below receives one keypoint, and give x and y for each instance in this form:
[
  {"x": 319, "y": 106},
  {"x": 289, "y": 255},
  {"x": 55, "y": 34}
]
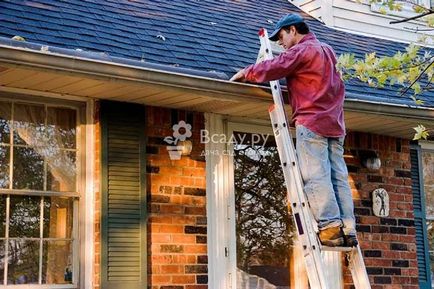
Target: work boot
[
  {"x": 351, "y": 240},
  {"x": 331, "y": 237}
]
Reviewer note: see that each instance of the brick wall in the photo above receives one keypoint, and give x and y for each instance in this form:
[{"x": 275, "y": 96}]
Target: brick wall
[
  {"x": 177, "y": 252},
  {"x": 388, "y": 244}
]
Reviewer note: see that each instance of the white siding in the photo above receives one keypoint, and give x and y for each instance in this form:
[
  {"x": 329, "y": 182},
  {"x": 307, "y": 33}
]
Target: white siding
[{"x": 364, "y": 18}]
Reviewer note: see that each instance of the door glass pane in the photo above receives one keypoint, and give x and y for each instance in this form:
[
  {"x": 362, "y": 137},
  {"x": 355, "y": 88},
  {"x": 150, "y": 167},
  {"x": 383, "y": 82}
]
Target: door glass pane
[
  {"x": 57, "y": 262},
  {"x": 28, "y": 169},
  {"x": 264, "y": 227},
  {"x": 24, "y": 216},
  {"x": 58, "y": 217},
  {"x": 4, "y": 166},
  {"x": 5, "y": 118},
  {"x": 2, "y": 216},
  {"x": 23, "y": 262},
  {"x": 2, "y": 260},
  {"x": 430, "y": 234},
  {"x": 428, "y": 181}
]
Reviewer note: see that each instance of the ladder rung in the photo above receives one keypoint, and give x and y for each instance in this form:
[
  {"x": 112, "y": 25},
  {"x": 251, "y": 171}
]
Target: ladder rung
[{"x": 338, "y": 249}]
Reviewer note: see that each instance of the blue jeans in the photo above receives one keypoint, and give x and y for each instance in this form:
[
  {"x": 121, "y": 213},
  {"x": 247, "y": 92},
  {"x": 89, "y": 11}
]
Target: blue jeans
[{"x": 325, "y": 177}]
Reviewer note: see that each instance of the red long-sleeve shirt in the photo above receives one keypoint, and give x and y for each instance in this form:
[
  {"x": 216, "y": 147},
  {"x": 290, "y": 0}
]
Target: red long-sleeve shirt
[{"x": 315, "y": 88}]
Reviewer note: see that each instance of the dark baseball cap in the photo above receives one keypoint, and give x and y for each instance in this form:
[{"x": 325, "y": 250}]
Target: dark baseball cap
[{"x": 287, "y": 20}]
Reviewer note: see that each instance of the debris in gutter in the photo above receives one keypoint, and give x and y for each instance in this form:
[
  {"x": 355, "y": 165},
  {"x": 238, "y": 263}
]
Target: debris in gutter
[
  {"x": 160, "y": 36},
  {"x": 18, "y": 38}
]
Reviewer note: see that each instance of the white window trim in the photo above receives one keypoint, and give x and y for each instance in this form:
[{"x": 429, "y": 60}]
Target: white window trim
[
  {"x": 221, "y": 213},
  {"x": 88, "y": 227},
  {"x": 217, "y": 191}
]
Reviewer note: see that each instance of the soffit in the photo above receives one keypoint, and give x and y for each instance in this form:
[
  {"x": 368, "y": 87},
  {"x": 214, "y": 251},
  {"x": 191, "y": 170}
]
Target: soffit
[{"x": 63, "y": 85}]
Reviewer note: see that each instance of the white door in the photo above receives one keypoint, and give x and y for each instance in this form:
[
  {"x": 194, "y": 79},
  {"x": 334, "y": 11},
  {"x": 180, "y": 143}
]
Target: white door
[{"x": 263, "y": 235}]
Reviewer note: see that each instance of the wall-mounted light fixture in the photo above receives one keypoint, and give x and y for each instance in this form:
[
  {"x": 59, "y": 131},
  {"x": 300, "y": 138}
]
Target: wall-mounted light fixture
[
  {"x": 187, "y": 146},
  {"x": 370, "y": 160}
]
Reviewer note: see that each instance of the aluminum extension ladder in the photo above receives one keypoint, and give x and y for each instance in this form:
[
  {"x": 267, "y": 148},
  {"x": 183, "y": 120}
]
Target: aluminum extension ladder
[{"x": 306, "y": 225}]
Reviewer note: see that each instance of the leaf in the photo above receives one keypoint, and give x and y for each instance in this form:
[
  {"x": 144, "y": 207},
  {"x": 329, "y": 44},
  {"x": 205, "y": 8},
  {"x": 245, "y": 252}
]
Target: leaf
[
  {"x": 430, "y": 20},
  {"x": 417, "y": 101},
  {"x": 419, "y": 9},
  {"x": 421, "y": 132}
]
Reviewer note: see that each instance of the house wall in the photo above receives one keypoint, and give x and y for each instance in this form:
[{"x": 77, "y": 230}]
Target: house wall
[
  {"x": 177, "y": 233},
  {"x": 365, "y": 18},
  {"x": 177, "y": 250},
  {"x": 388, "y": 244}
]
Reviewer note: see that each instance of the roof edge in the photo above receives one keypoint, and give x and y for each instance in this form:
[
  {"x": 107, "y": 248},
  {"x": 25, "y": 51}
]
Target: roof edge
[{"x": 35, "y": 56}]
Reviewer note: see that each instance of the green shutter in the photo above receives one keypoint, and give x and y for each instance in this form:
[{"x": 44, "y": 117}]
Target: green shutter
[
  {"x": 420, "y": 218},
  {"x": 123, "y": 211}
]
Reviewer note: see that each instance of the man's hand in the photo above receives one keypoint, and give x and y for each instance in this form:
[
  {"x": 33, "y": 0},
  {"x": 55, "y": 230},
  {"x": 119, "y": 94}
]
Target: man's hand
[{"x": 239, "y": 76}]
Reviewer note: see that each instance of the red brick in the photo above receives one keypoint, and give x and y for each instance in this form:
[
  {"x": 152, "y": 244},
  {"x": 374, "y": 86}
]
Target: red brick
[
  {"x": 196, "y": 249},
  {"x": 167, "y": 269},
  {"x": 183, "y": 279}
]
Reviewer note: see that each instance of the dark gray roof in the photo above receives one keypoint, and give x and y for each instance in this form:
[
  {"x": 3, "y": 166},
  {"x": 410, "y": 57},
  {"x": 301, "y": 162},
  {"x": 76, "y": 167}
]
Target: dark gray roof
[{"x": 202, "y": 35}]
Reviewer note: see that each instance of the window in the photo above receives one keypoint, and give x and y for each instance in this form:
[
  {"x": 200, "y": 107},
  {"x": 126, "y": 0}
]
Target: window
[
  {"x": 428, "y": 186},
  {"x": 39, "y": 194}
]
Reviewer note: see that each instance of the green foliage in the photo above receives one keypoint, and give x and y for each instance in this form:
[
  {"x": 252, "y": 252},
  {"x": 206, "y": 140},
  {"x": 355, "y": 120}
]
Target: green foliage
[
  {"x": 421, "y": 132},
  {"x": 407, "y": 69}
]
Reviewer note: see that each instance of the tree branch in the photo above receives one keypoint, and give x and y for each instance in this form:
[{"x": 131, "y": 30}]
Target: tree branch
[
  {"x": 420, "y": 75},
  {"x": 412, "y": 18}
]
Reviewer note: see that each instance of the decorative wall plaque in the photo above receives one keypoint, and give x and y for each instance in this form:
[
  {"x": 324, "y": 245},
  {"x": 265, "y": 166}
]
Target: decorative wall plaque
[{"x": 380, "y": 202}]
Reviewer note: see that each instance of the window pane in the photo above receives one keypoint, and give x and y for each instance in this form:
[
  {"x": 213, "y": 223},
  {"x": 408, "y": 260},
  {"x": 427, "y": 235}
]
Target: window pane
[
  {"x": 57, "y": 262},
  {"x": 5, "y": 117},
  {"x": 428, "y": 181},
  {"x": 2, "y": 261},
  {"x": 263, "y": 224},
  {"x": 24, "y": 216},
  {"x": 4, "y": 167},
  {"x": 61, "y": 126},
  {"x": 2, "y": 216},
  {"x": 430, "y": 234},
  {"x": 61, "y": 176},
  {"x": 23, "y": 262},
  {"x": 28, "y": 169},
  {"x": 29, "y": 123},
  {"x": 58, "y": 216}
]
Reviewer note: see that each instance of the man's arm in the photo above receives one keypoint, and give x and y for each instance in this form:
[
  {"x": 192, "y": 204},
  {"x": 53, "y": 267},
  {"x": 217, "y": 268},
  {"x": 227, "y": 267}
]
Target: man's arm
[{"x": 272, "y": 69}]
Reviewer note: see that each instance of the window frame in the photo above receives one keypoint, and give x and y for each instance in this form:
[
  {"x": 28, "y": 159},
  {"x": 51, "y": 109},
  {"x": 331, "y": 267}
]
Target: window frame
[{"x": 79, "y": 208}]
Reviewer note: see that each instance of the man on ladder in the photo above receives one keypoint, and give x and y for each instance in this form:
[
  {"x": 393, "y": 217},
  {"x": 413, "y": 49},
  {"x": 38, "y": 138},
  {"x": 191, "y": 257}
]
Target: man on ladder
[{"x": 316, "y": 93}]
